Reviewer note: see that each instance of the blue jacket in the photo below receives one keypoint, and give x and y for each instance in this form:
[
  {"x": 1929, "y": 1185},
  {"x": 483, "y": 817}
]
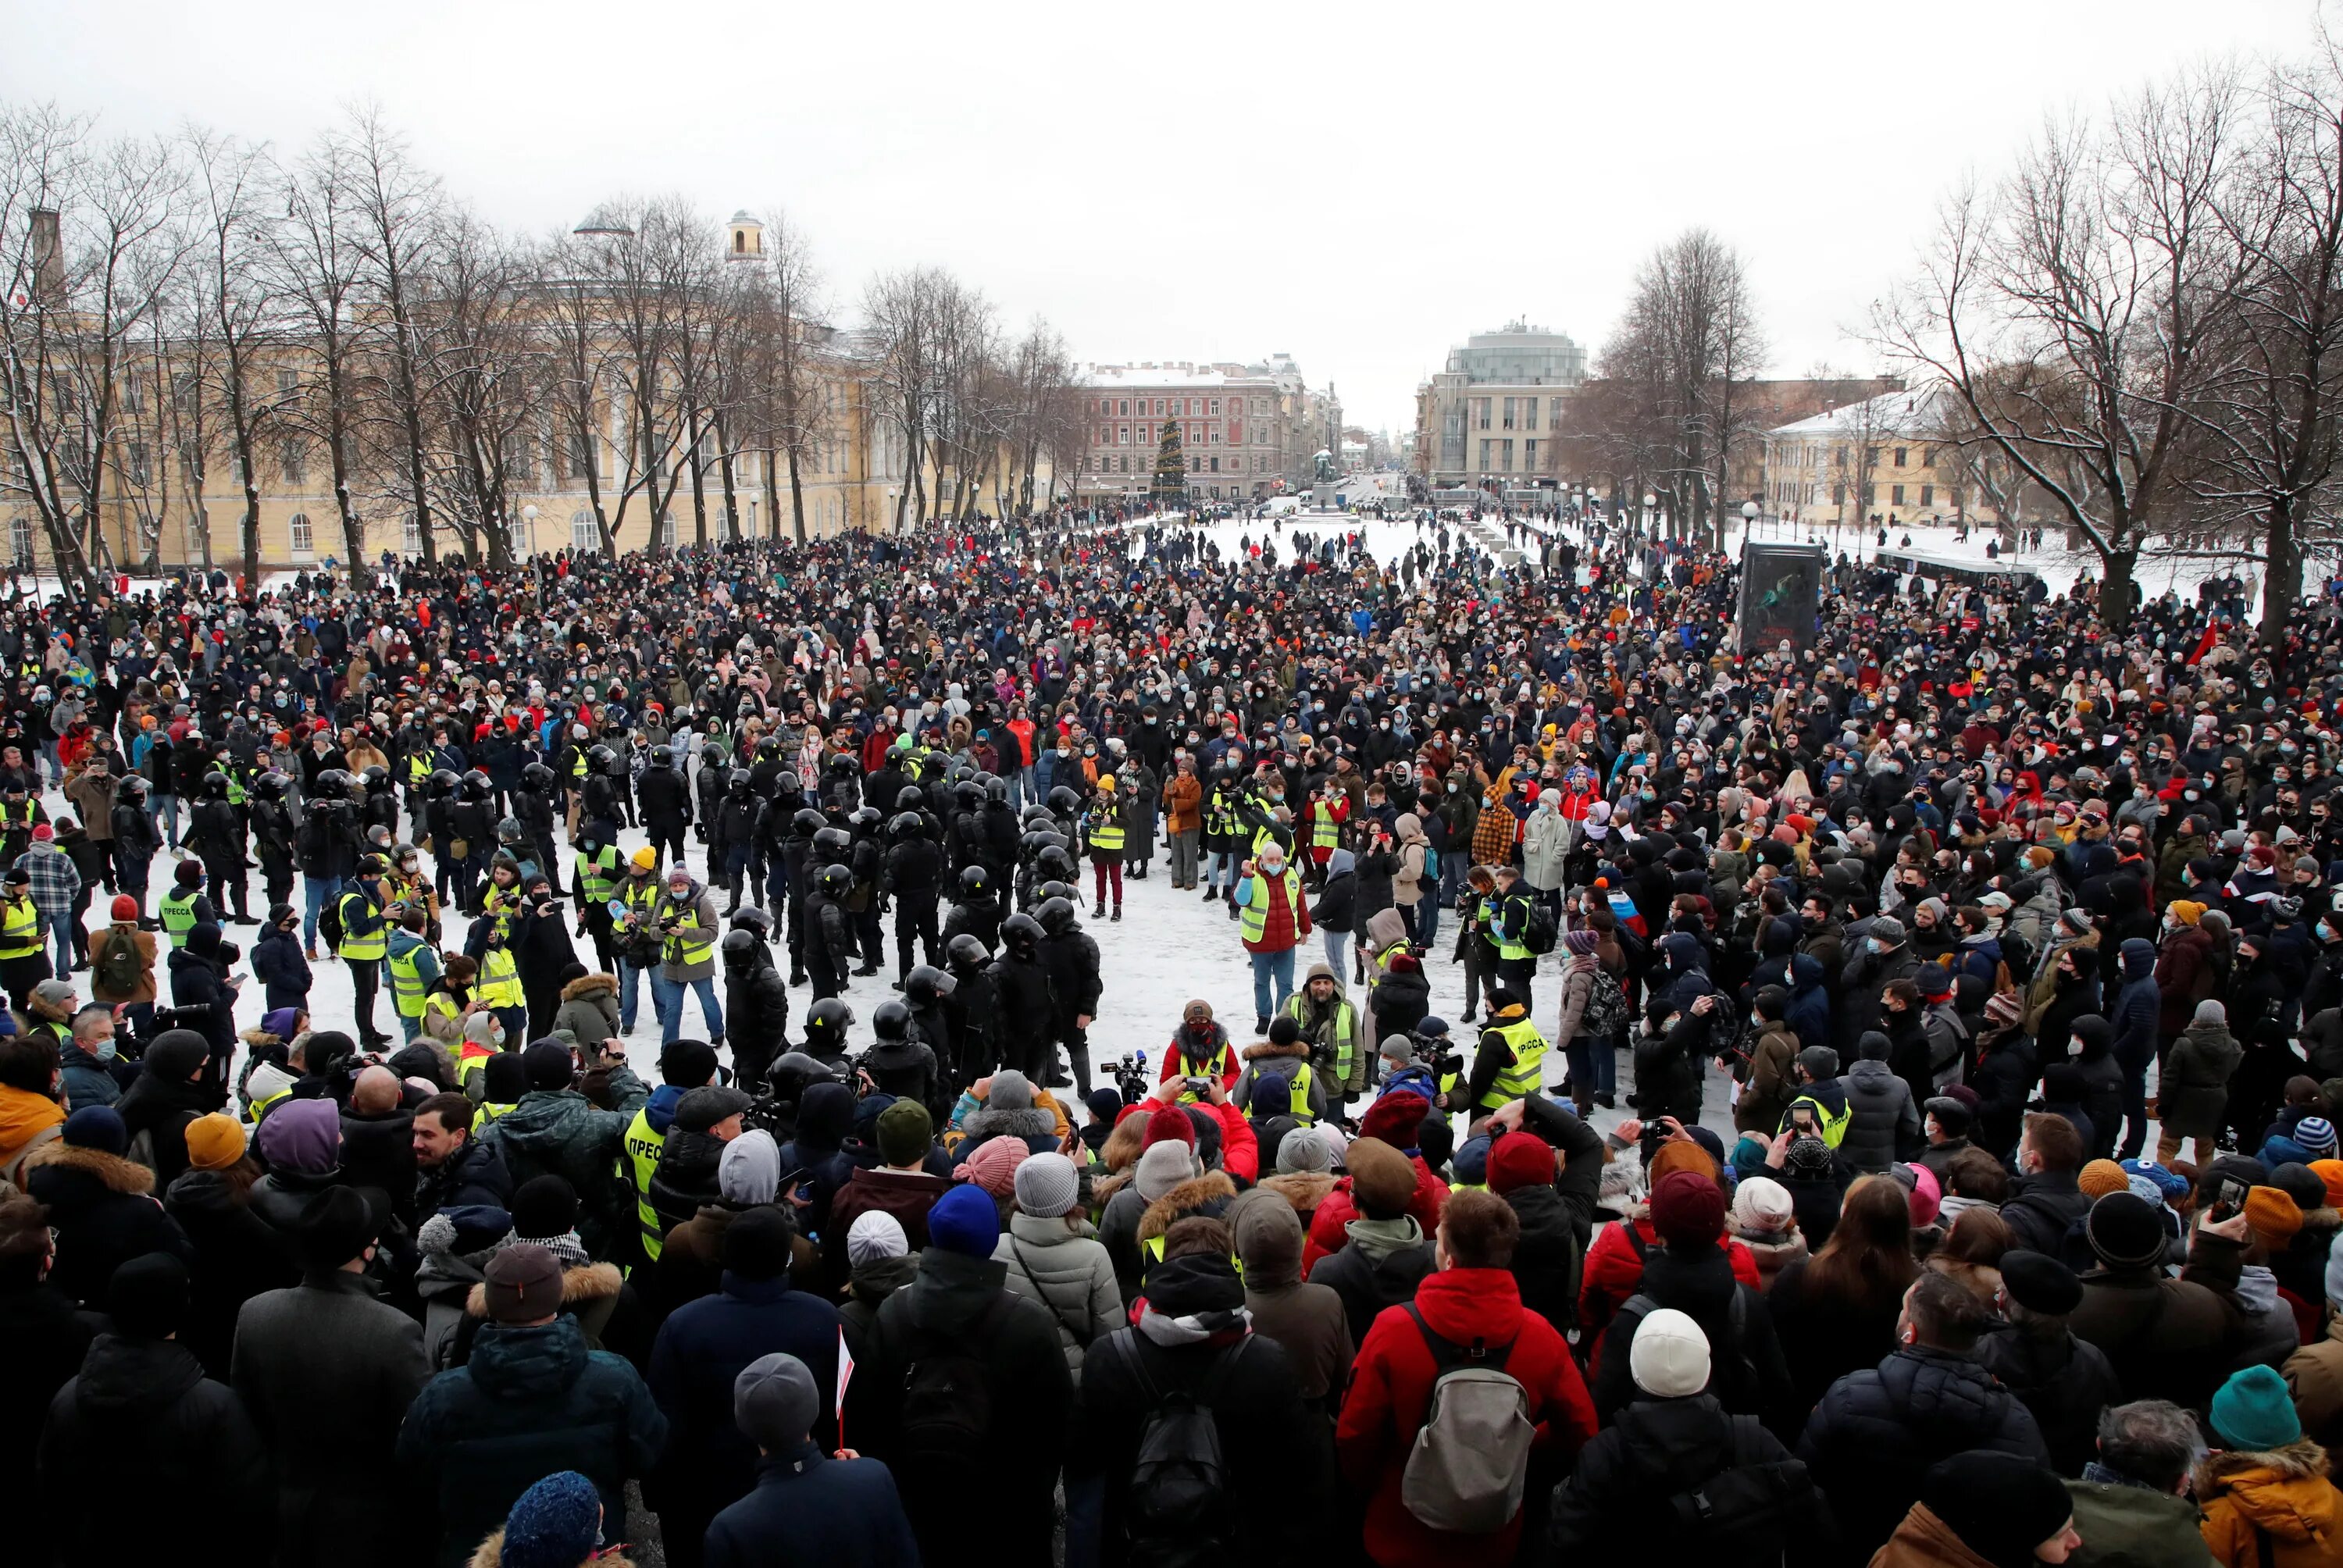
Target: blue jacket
[
  {"x": 2136, "y": 1005},
  {"x": 808, "y": 1511},
  {"x": 701, "y": 1348}
]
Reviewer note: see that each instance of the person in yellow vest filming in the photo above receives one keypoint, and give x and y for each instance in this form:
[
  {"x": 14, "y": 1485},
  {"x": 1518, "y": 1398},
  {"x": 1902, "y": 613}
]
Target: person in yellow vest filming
[
  {"x": 1278, "y": 1080},
  {"x": 366, "y": 942},
  {"x": 1103, "y": 836},
  {"x": 24, "y": 964},
  {"x": 685, "y": 918},
  {"x": 1510, "y": 1062}
]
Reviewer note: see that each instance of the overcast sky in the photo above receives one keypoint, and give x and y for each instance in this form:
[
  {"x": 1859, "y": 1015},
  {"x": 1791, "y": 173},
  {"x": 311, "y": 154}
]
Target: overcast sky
[{"x": 1359, "y": 187}]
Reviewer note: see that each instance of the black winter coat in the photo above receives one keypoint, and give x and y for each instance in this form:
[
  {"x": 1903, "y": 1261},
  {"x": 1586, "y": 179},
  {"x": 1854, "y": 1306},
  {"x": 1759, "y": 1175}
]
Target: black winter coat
[
  {"x": 46, "y": 1340},
  {"x": 1623, "y": 1482},
  {"x": 1876, "y": 1434},
  {"x": 1749, "y": 1378},
  {"x": 1276, "y": 1454},
  {"x": 756, "y": 1016},
  {"x": 143, "y": 1408},
  {"x": 1368, "y": 1286},
  {"x": 103, "y": 1208},
  {"x": 2065, "y": 1381},
  {"x": 1884, "y": 1125},
  {"x": 1337, "y": 903},
  {"x": 237, "y": 1256},
  {"x": 2003, "y": 1076},
  {"x": 1548, "y": 1257}
]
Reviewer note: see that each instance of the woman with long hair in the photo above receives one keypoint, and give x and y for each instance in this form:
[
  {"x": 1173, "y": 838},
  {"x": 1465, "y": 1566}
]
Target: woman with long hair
[{"x": 1835, "y": 1313}]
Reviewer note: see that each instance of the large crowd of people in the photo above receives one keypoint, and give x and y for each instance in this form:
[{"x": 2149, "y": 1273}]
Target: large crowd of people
[{"x": 1802, "y": 1178}]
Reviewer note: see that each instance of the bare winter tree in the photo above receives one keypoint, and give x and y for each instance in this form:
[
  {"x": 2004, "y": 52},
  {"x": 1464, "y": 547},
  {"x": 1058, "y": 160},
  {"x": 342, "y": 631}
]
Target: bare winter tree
[
  {"x": 398, "y": 211},
  {"x": 1689, "y": 339},
  {"x": 786, "y": 407},
  {"x": 318, "y": 267},
  {"x": 231, "y": 186},
  {"x": 90, "y": 241},
  {"x": 2270, "y": 417},
  {"x": 905, "y": 310},
  {"x": 485, "y": 386},
  {"x": 2076, "y": 312}
]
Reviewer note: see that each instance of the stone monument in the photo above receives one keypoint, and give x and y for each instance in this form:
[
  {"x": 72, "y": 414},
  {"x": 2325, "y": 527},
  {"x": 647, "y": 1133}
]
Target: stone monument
[{"x": 1323, "y": 488}]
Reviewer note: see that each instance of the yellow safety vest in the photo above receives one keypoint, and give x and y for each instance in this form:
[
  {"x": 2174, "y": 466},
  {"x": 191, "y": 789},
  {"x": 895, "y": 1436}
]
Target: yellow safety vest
[
  {"x": 1324, "y": 831},
  {"x": 692, "y": 942},
  {"x": 1254, "y": 916},
  {"x": 1345, "y": 1044},
  {"x": 1509, "y": 947},
  {"x": 1220, "y": 821},
  {"x": 501, "y": 904},
  {"x": 1834, "y": 1127},
  {"x": 1218, "y": 1067},
  {"x": 407, "y": 982},
  {"x": 1526, "y": 1077},
  {"x": 1297, "y": 1098},
  {"x": 499, "y": 982},
  {"x": 1106, "y": 834},
  {"x": 598, "y": 878},
  {"x": 638, "y": 1157},
  {"x": 418, "y": 768},
  {"x": 490, "y": 1112},
  {"x": 368, "y": 948},
  {"x": 641, "y": 896},
  {"x": 179, "y": 915},
  {"x": 20, "y": 929}
]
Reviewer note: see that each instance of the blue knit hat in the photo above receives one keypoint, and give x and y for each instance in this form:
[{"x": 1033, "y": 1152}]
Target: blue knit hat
[
  {"x": 2316, "y": 1134},
  {"x": 965, "y": 1220},
  {"x": 557, "y": 1524},
  {"x": 2254, "y": 1413},
  {"x": 98, "y": 1126}
]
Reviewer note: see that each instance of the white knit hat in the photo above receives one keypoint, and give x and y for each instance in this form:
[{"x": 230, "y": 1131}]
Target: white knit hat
[
  {"x": 1762, "y": 1204},
  {"x": 874, "y": 1235},
  {"x": 1670, "y": 1356}
]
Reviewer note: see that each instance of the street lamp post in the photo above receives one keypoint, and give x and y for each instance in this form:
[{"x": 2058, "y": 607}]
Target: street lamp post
[
  {"x": 1748, "y": 518},
  {"x": 1648, "y": 524},
  {"x": 528, "y": 515}
]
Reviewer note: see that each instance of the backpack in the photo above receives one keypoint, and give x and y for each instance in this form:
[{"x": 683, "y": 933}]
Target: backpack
[
  {"x": 1177, "y": 1511},
  {"x": 946, "y": 1424},
  {"x": 1746, "y": 1513},
  {"x": 329, "y": 923},
  {"x": 119, "y": 968},
  {"x": 1541, "y": 931},
  {"x": 1471, "y": 1460},
  {"x": 1605, "y": 1013}
]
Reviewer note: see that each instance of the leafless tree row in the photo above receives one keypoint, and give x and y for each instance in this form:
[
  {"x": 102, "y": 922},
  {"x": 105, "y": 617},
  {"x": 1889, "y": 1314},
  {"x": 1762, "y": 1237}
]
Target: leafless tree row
[
  {"x": 189, "y": 315},
  {"x": 2141, "y": 328}
]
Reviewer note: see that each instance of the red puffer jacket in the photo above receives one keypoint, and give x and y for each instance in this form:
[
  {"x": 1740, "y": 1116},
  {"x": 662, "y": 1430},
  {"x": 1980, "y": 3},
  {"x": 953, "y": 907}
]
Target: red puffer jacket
[
  {"x": 1614, "y": 1267},
  {"x": 1391, "y": 1393}
]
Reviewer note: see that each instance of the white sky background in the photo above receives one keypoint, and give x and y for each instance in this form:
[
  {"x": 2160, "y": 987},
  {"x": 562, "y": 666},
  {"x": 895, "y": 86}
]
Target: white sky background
[{"x": 1357, "y": 186}]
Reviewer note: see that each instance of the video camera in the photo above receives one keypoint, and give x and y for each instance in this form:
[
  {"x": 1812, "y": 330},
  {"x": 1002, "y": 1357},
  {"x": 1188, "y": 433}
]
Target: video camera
[{"x": 1130, "y": 1077}]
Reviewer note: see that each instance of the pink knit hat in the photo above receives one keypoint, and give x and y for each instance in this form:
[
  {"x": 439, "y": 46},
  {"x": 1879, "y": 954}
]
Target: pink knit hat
[{"x": 993, "y": 1166}]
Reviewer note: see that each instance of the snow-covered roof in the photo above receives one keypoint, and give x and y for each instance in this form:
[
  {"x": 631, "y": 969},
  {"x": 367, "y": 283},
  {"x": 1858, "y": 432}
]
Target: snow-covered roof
[
  {"x": 745, "y": 216},
  {"x": 1913, "y": 413},
  {"x": 1175, "y": 374}
]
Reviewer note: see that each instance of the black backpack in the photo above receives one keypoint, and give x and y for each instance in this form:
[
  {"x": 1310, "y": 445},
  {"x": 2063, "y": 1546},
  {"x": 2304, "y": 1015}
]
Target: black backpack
[
  {"x": 947, "y": 1416},
  {"x": 329, "y": 923},
  {"x": 1746, "y": 1513},
  {"x": 1177, "y": 1511},
  {"x": 1541, "y": 931}
]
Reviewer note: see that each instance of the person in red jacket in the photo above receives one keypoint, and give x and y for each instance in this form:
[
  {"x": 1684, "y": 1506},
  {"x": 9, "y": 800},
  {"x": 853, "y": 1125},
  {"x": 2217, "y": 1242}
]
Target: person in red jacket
[
  {"x": 1199, "y": 1048},
  {"x": 1395, "y": 1119},
  {"x": 1472, "y": 1298},
  {"x": 1614, "y": 1263}
]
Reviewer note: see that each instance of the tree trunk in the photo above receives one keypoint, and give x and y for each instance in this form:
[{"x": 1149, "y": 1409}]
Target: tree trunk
[
  {"x": 698, "y": 485},
  {"x": 797, "y": 499},
  {"x": 2282, "y": 585}
]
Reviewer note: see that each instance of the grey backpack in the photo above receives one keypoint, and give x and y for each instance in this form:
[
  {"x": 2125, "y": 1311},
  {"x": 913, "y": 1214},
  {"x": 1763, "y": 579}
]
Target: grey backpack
[{"x": 1466, "y": 1472}]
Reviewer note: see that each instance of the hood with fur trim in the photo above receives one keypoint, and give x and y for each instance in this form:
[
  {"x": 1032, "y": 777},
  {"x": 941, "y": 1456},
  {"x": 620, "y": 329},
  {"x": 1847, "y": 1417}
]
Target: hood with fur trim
[
  {"x": 1206, "y": 1194},
  {"x": 118, "y": 1174},
  {"x": 2281, "y": 1492},
  {"x": 1265, "y": 1050},
  {"x": 588, "y": 985},
  {"x": 988, "y": 1122},
  {"x": 1305, "y": 1190},
  {"x": 580, "y": 1288}
]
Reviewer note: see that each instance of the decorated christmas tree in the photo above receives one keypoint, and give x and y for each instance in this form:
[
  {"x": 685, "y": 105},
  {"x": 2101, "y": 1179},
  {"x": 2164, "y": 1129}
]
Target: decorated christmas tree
[{"x": 1170, "y": 488}]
